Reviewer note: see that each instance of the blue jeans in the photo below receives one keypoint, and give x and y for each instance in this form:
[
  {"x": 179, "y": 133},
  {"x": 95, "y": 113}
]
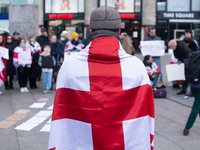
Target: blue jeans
[
  {"x": 157, "y": 61},
  {"x": 47, "y": 79},
  {"x": 154, "y": 82}
]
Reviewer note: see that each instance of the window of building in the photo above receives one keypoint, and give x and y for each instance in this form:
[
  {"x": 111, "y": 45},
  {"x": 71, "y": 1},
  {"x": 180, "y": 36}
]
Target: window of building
[
  {"x": 161, "y": 5},
  {"x": 137, "y": 5},
  {"x": 195, "y": 5},
  {"x": 60, "y": 6},
  {"x": 4, "y": 6},
  {"x": 24, "y": 2},
  {"x": 178, "y": 5},
  {"x": 4, "y": 23},
  {"x": 123, "y": 6}
]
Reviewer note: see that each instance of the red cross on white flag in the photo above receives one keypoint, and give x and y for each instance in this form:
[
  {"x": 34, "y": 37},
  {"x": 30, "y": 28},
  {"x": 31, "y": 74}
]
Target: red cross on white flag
[{"x": 103, "y": 101}]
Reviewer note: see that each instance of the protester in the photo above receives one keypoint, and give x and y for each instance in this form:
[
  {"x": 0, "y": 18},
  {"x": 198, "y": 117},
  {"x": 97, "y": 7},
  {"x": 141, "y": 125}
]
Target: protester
[
  {"x": 152, "y": 70},
  {"x": 15, "y": 39},
  {"x": 22, "y": 69},
  {"x": 152, "y": 37},
  {"x": 10, "y": 67},
  {"x": 103, "y": 94},
  {"x": 54, "y": 52},
  {"x": 126, "y": 43},
  {"x": 83, "y": 40},
  {"x": 195, "y": 87},
  {"x": 3, "y": 64},
  {"x": 181, "y": 51},
  {"x": 47, "y": 63},
  {"x": 43, "y": 38},
  {"x": 188, "y": 34},
  {"x": 75, "y": 41},
  {"x": 35, "y": 49},
  {"x": 62, "y": 43}
]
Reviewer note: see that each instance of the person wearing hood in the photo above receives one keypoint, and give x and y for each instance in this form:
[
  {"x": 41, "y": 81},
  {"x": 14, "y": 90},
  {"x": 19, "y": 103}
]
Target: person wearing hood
[
  {"x": 47, "y": 62},
  {"x": 34, "y": 47},
  {"x": 22, "y": 69},
  {"x": 3, "y": 64},
  {"x": 10, "y": 67}
]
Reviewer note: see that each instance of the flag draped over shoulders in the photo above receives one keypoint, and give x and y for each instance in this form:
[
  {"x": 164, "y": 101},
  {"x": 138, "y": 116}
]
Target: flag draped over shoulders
[{"x": 103, "y": 101}]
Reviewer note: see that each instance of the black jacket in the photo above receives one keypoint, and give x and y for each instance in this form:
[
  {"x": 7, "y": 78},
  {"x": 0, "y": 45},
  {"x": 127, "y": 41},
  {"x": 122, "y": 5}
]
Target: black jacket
[
  {"x": 152, "y": 38},
  {"x": 42, "y": 40},
  {"x": 10, "y": 67},
  {"x": 62, "y": 44}
]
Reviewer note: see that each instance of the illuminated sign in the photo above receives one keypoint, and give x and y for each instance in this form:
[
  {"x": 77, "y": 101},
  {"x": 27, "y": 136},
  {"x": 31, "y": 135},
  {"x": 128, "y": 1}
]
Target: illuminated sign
[
  {"x": 4, "y": 17},
  {"x": 127, "y": 16},
  {"x": 62, "y": 16}
]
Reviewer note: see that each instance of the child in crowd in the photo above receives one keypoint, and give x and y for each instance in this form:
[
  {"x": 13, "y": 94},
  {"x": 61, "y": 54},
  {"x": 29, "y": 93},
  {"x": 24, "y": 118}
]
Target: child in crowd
[
  {"x": 47, "y": 63},
  {"x": 152, "y": 70}
]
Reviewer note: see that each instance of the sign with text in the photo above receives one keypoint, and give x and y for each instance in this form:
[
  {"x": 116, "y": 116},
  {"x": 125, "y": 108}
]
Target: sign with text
[
  {"x": 24, "y": 58},
  {"x": 153, "y": 48},
  {"x": 4, "y": 52},
  {"x": 178, "y": 5},
  {"x": 175, "y": 72}
]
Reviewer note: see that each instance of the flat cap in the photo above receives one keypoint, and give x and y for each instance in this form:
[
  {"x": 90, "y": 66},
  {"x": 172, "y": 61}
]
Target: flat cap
[{"x": 105, "y": 17}]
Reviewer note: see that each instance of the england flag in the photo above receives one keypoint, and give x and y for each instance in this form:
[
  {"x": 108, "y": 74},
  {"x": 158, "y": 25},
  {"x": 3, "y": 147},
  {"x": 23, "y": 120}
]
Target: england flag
[{"x": 103, "y": 101}]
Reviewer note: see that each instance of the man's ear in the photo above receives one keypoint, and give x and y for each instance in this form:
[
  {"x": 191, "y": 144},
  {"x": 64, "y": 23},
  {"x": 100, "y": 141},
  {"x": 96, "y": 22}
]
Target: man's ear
[{"x": 91, "y": 31}]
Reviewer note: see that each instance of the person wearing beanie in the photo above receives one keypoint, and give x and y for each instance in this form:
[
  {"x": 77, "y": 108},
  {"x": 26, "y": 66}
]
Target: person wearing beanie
[
  {"x": 75, "y": 41},
  {"x": 104, "y": 99}
]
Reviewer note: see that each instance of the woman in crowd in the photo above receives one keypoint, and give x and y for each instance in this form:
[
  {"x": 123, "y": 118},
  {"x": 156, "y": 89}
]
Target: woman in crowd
[
  {"x": 22, "y": 69},
  {"x": 10, "y": 67},
  {"x": 35, "y": 49},
  {"x": 3, "y": 64},
  {"x": 152, "y": 70},
  {"x": 76, "y": 42}
]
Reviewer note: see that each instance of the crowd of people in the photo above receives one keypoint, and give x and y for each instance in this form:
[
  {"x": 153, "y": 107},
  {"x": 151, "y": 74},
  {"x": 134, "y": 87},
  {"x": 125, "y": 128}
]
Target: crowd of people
[{"x": 45, "y": 53}]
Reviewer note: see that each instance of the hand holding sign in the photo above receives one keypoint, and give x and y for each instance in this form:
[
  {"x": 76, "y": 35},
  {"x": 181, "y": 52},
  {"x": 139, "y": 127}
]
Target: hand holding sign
[
  {"x": 24, "y": 58},
  {"x": 153, "y": 48},
  {"x": 4, "y": 52}
]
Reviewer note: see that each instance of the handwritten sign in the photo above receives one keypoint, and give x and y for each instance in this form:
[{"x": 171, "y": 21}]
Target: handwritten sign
[
  {"x": 1, "y": 65},
  {"x": 24, "y": 58},
  {"x": 4, "y": 52},
  {"x": 153, "y": 48},
  {"x": 175, "y": 72}
]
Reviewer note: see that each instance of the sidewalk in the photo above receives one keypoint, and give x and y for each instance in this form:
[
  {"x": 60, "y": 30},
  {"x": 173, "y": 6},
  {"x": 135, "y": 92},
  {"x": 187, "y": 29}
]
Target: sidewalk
[{"x": 171, "y": 116}]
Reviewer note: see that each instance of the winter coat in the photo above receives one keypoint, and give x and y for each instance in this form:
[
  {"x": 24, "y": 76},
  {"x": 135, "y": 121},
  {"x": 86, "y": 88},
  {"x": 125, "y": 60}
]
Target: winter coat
[
  {"x": 42, "y": 40},
  {"x": 10, "y": 67},
  {"x": 35, "y": 52},
  {"x": 182, "y": 51},
  {"x": 54, "y": 48},
  {"x": 127, "y": 45},
  {"x": 152, "y": 38},
  {"x": 62, "y": 44},
  {"x": 83, "y": 40}
]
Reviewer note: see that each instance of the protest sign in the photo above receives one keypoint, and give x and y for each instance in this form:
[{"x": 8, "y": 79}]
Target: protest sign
[
  {"x": 1, "y": 65},
  {"x": 24, "y": 58},
  {"x": 153, "y": 48},
  {"x": 175, "y": 72},
  {"x": 4, "y": 52}
]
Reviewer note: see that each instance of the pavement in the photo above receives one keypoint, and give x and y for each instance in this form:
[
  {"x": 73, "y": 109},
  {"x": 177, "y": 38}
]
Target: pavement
[{"x": 171, "y": 114}]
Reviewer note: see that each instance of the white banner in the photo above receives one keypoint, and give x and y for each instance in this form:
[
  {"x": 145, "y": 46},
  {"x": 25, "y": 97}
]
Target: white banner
[
  {"x": 153, "y": 48},
  {"x": 175, "y": 72},
  {"x": 24, "y": 58},
  {"x": 1, "y": 65},
  {"x": 4, "y": 52}
]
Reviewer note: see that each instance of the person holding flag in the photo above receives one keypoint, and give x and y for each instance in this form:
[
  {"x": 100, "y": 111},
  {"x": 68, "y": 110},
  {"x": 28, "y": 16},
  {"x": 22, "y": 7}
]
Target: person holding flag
[
  {"x": 104, "y": 99},
  {"x": 3, "y": 64}
]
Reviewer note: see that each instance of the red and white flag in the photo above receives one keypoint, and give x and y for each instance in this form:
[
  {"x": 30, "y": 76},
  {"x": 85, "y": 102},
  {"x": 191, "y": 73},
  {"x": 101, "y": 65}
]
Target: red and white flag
[
  {"x": 103, "y": 101},
  {"x": 69, "y": 46}
]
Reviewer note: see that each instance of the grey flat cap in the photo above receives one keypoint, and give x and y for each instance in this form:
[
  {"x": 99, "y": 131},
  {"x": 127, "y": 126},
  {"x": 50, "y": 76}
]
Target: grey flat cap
[{"x": 105, "y": 17}]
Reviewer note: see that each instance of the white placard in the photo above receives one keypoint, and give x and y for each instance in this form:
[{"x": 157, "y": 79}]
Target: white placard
[
  {"x": 4, "y": 52},
  {"x": 175, "y": 72},
  {"x": 153, "y": 48},
  {"x": 1, "y": 65},
  {"x": 24, "y": 58}
]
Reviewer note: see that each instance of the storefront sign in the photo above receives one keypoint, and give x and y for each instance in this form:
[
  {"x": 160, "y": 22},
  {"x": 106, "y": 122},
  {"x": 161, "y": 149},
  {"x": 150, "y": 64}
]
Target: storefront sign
[
  {"x": 179, "y": 15},
  {"x": 127, "y": 16},
  {"x": 178, "y": 5},
  {"x": 62, "y": 16}
]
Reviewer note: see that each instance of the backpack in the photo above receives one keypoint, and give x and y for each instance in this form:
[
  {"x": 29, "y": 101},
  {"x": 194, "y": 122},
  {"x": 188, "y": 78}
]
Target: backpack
[{"x": 192, "y": 67}]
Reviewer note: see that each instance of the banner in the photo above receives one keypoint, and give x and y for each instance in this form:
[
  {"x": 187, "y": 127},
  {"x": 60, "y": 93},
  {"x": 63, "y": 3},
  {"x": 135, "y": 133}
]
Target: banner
[
  {"x": 175, "y": 72},
  {"x": 153, "y": 48},
  {"x": 4, "y": 52},
  {"x": 24, "y": 58}
]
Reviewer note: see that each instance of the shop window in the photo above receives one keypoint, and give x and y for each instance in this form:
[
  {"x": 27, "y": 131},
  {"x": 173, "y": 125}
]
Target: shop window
[
  {"x": 4, "y": 5},
  {"x": 137, "y": 5},
  {"x": 195, "y": 5},
  {"x": 4, "y": 23},
  {"x": 161, "y": 5},
  {"x": 123, "y": 6},
  {"x": 64, "y": 6},
  {"x": 24, "y": 2},
  {"x": 178, "y": 5}
]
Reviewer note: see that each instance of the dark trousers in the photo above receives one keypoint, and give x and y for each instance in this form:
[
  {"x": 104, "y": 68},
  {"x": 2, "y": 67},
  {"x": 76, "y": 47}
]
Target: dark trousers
[
  {"x": 23, "y": 75},
  {"x": 10, "y": 78},
  {"x": 32, "y": 82},
  {"x": 185, "y": 86},
  {"x": 195, "y": 107}
]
